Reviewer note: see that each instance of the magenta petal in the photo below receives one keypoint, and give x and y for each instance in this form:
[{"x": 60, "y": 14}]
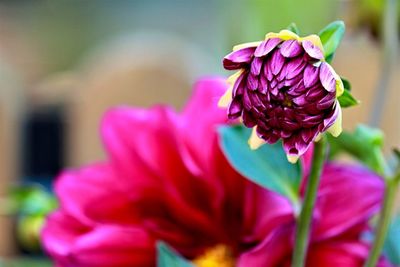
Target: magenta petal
[
  {"x": 134, "y": 151},
  {"x": 263, "y": 211},
  {"x": 349, "y": 253},
  {"x": 276, "y": 62},
  {"x": 348, "y": 195},
  {"x": 294, "y": 67},
  {"x": 311, "y": 75},
  {"x": 252, "y": 82},
  {"x": 235, "y": 109},
  {"x": 291, "y": 48},
  {"x": 266, "y": 46},
  {"x": 329, "y": 121},
  {"x": 327, "y": 78},
  {"x": 78, "y": 190},
  {"x": 239, "y": 58},
  {"x": 240, "y": 85},
  {"x": 312, "y": 50},
  {"x": 114, "y": 246},
  {"x": 272, "y": 251},
  {"x": 326, "y": 102},
  {"x": 59, "y": 235},
  {"x": 300, "y": 100},
  {"x": 256, "y": 65}
]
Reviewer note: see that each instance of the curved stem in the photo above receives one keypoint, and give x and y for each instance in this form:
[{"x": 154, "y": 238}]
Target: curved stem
[
  {"x": 384, "y": 221},
  {"x": 306, "y": 213}
]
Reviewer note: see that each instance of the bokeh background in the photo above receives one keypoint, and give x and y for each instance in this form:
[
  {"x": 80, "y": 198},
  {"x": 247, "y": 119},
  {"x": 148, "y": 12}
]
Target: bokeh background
[{"x": 63, "y": 63}]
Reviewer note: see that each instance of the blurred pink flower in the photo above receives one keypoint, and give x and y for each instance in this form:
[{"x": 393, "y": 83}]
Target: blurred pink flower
[{"x": 167, "y": 179}]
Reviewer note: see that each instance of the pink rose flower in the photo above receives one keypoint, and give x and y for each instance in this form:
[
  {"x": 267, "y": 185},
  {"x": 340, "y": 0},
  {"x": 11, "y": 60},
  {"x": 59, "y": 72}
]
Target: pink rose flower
[{"x": 167, "y": 179}]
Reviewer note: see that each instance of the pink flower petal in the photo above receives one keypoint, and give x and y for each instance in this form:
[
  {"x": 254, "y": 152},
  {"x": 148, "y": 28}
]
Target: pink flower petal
[{"x": 348, "y": 195}]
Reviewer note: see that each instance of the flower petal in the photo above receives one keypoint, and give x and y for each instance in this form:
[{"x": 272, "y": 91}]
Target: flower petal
[
  {"x": 336, "y": 128},
  {"x": 267, "y": 46},
  {"x": 348, "y": 195},
  {"x": 255, "y": 142},
  {"x": 313, "y": 50},
  {"x": 114, "y": 246},
  {"x": 274, "y": 249},
  {"x": 327, "y": 77},
  {"x": 291, "y": 48},
  {"x": 239, "y": 58}
]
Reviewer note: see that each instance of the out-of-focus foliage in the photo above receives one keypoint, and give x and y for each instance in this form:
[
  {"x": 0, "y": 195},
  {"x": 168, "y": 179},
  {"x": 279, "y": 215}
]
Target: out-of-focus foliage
[
  {"x": 31, "y": 204},
  {"x": 364, "y": 144},
  {"x": 26, "y": 262},
  {"x": 369, "y": 15}
]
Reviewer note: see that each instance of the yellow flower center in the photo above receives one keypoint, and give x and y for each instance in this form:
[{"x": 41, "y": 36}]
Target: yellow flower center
[{"x": 218, "y": 256}]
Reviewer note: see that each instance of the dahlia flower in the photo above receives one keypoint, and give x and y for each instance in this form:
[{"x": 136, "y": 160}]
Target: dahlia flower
[
  {"x": 284, "y": 89},
  {"x": 166, "y": 179}
]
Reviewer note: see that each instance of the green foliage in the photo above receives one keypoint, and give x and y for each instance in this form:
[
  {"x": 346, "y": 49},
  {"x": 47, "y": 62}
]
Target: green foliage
[
  {"x": 293, "y": 28},
  {"x": 364, "y": 144},
  {"x": 267, "y": 166},
  {"x": 347, "y": 100},
  {"x": 346, "y": 84},
  {"x": 331, "y": 36},
  {"x": 25, "y": 262},
  {"x": 32, "y": 200},
  {"x": 392, "y": 244},
  {"x": 168, "y": 258}
]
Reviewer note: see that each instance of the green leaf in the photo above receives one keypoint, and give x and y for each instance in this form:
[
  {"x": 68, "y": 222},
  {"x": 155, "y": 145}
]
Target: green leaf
[
  {"x": 364, "y": 144},
  {"x": 267, "y": 166},
  {"x": 346, "y": 84},
  {"x": 331, "y": 36},
  {"x": 347, "y": 100},
  {"x": 293, "y": 28},
  {"x": 166, "y": 257},
  {"x": 392, "y": 244}
]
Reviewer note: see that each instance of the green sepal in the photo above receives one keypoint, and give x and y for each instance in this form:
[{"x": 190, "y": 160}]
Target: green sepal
[
  {"x": 347, "y": 100},
  {"x": 346, "y": 84},
  {"x": 331, "y": 36}
]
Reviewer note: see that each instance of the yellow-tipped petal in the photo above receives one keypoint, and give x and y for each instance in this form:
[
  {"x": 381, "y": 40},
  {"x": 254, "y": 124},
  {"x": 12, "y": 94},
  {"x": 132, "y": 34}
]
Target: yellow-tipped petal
[
  {"x": 255, "y": 142},
  {"x": 245, "y": 45},
  {"x": 283, "y": 35},
  {"x": 313, "y": 38},
  {"x": 339, "y": 86},
  {"x": 226, "y": 99},
  {"x": 232, "y": 79},
  {"x": 318, "y": 137},
  {"x": 292, "y": 159},
  {"x": 336, "y": 129},
  {"x": 339, "y": 82}
]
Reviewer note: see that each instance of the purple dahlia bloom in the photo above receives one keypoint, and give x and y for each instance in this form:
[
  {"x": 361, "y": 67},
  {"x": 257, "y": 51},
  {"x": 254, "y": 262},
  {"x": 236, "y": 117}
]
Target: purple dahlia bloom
[{"x": 285, "y": 90}]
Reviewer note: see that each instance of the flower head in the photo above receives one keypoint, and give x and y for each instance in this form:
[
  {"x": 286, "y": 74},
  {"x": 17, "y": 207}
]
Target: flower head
[
  {"x": 161, "y": 183},
  {"x": 285, "y": 90}
]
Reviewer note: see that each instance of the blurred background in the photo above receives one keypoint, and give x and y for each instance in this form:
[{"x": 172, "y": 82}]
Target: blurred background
[{"x": 63, "y": 63}]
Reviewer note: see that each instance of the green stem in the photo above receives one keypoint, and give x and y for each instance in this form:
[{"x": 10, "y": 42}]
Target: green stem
[
  {"x": 304, "y": 220},
  {"x": 389, "y": 60},
  {"x": 384, "y": 221}
]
